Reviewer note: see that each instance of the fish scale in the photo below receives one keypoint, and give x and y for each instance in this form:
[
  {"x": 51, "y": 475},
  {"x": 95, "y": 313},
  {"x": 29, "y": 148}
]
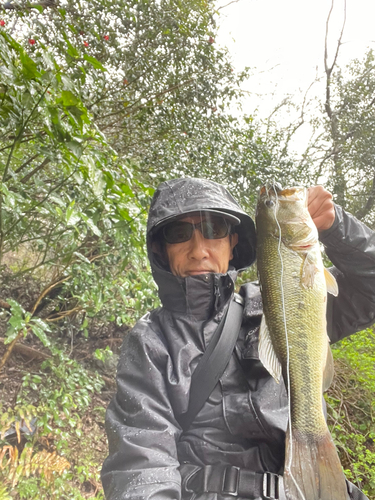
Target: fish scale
[
  {"x": 301, "y": 324},
  {"x": 294, "y": 294}
]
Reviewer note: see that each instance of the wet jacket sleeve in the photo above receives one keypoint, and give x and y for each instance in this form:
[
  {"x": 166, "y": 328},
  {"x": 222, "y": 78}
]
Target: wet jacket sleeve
[
  {"x": 350, "y": 245},
  {"x": 140, "y": 424}
]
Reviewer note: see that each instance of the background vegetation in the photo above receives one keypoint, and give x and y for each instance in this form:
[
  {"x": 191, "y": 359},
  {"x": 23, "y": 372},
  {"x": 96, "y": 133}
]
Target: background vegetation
[{"x": 99, "y": 102}]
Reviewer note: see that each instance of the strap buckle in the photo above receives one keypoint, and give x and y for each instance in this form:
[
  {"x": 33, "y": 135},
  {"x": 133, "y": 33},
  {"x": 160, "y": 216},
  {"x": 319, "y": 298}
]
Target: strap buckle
[
  {"x": 238, "y": 298},
  {"x": 271, "y": 486},
  {"x": 231, "y": 481}
]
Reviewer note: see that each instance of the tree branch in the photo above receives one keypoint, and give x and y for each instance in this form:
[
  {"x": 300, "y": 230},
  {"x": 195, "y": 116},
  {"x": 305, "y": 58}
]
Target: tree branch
[
  {"x": 13, "y": 6},
  {"x": 36, "y": 169},
  {"x": 8, "y": 352},
  {"x": 339, "y": 185},
  {"x": 329, "y": 70},
  {"x": 22, "y": 166},
  {"x": 226, "y": 5},
  {"x": 362, "y": 212},
  {"x": 131, "y": 109}
]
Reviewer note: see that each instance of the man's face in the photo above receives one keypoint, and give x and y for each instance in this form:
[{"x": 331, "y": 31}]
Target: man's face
[{"x": 200, "y": 255}]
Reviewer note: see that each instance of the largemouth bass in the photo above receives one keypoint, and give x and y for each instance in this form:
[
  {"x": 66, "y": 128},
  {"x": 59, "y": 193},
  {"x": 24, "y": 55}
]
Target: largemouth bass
[{"x": 293, "y": 338}]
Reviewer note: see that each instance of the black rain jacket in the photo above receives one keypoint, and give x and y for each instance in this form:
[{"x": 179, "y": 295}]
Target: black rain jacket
[{"x": 244, "y": 420}]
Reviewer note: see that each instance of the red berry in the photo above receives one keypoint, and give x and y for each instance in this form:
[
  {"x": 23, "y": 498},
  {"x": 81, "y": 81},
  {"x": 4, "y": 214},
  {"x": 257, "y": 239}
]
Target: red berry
[
  {"x": 106, "y": 37},
  {"x": 2, "y": 22},
  {"x": 86, "y": 44},
  {"x": 32, "y": 41},
  {"x": 211, "y": 40}
]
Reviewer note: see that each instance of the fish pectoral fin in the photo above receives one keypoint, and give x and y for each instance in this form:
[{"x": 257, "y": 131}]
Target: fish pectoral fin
[
  {"x": 331, "y": 283},
  {"x": 329, "y": 369},
  {"x": 267, "y": 354},
  {"x": 309, "y": 269}
]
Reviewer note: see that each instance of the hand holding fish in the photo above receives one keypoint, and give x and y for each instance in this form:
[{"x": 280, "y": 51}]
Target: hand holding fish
[{"x": 321, "y": 207}]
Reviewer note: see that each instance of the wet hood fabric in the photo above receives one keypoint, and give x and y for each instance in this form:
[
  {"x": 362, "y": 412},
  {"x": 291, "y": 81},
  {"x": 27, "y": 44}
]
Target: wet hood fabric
[
  {"x": 182, "y": 196},
  {"x": 197, "y": 295}
]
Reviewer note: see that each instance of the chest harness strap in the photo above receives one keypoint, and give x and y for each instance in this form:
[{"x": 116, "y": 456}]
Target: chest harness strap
[
  {"x": 224, "y": 480},
  {"x": 236, "y": 482},
  {"x": 212, "y": 364}
]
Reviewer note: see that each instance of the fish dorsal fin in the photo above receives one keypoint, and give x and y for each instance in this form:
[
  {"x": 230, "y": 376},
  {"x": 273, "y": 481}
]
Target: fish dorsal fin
[
  {"x": 329, "y": 368},
  {"x": 331, "y": 283},
  {"x": 267, "y": 353}
]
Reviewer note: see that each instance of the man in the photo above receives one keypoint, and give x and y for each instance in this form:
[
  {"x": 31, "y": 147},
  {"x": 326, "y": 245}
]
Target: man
[{"x": 198, "y": 240}]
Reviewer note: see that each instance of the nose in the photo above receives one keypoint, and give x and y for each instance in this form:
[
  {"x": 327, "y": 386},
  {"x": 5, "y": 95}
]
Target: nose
[{"x": 198, "y": 246}]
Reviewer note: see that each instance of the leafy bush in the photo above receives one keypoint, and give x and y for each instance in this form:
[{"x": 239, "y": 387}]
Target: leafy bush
[
  {"x": 53, "y": 453},
  {"x": 351, "y": 408}
]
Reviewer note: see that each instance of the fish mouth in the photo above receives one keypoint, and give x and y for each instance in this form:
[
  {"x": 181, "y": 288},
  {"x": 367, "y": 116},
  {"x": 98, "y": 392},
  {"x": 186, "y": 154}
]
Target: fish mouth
[
  {"x": 270, "y": 189},
  {"x": 275, "y": 191}
]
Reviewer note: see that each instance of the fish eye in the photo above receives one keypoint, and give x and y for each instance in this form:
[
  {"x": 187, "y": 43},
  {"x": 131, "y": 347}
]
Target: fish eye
[{"x": 270, "y": 203}]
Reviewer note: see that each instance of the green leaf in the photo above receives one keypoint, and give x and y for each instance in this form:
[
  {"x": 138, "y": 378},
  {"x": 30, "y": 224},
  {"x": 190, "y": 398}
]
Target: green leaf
[
  {"x": 127, "y": 190},
  {"x": 124, "y": 214},
  {"x": 72, "y": 51},
  {"x": 94, "y": 228},
  {"x": 16, "y": 308},
  {"x": 40, "y": 333},
  {"x": 29, "y": 68},
  {"x": 75, "y": 147},
  {"x": 94, "y": 62},
  {"x": 68, "y": 98},
  {"x": 10, "y": 334},
  {"x": 71, "y": 216},
  {"x": 67, "y": 82},
  {"x": 82, "y": 257}
]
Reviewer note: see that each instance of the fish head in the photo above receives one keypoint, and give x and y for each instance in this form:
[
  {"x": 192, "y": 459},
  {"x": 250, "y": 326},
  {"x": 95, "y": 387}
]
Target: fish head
[{"x": 283, "y": 213}]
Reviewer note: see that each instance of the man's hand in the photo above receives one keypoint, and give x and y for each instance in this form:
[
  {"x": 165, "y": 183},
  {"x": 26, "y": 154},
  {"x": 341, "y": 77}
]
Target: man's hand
[{"x": 321, "y": 208}]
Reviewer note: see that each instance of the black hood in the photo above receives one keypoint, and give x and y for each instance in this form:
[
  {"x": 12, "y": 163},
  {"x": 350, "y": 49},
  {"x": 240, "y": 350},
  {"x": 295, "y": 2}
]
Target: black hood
[
  {"x": 204, "y": 294},
  {"x": 182, "y": 196}
]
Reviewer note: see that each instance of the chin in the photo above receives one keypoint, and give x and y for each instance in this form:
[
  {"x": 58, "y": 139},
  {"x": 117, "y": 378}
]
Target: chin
[{"x": 196, "y": 273}]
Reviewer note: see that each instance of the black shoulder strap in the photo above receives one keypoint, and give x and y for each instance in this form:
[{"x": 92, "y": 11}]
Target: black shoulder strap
[{"x": 214, "y": 361}]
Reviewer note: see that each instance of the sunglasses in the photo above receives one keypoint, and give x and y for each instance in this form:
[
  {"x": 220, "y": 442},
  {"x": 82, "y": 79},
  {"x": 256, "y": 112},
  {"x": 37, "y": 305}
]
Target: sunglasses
[{"x": 213, "y": 229}]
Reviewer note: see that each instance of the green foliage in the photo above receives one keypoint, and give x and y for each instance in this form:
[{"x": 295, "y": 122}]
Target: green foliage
[
  {"x": 22, "y": 321},
  {"x": 4, "y": 493},
  {"x": 352, "y": 408},
  {"x": 165, "y": 96},
  {"x": 57, "y": 396},
  {"x": 64, "y": 195},
  {"x": 16, "y": 417},
  {"x": 103, "y": 354}
]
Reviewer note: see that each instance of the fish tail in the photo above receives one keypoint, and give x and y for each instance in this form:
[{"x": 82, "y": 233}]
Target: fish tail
[{"x": 312, "y": 469}]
